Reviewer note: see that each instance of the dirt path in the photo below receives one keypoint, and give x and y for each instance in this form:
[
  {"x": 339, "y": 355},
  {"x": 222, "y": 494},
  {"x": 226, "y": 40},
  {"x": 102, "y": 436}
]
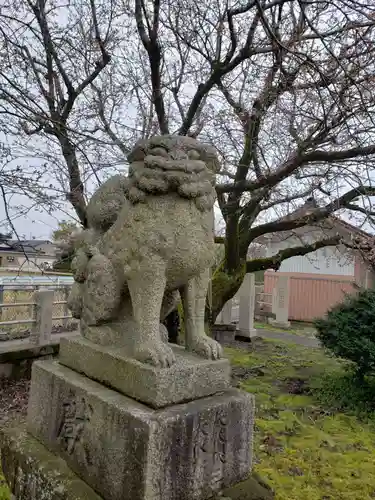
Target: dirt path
[{"x": 288, "y": 337}]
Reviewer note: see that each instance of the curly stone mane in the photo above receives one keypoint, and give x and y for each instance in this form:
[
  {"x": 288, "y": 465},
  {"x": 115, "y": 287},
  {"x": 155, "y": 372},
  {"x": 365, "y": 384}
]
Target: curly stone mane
[{"x": 173, "y": 164}]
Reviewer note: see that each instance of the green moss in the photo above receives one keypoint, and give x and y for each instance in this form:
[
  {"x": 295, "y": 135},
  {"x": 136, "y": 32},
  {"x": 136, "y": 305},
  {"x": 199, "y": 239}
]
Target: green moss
[
  {"x": 299, "y": 329},
  {"x": 305, "y": 448},
  {"x": 224, "y": 287},
  {"x": 4, "y": 490},
  {"x": 307, "y": 445},
  {"x": 39, "y": 471}
]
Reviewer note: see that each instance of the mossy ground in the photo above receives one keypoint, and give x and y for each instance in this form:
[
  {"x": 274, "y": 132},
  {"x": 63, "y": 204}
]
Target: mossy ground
[
  {"x": 314, "y": 436},
  {"x": 4, "y": 490},
  {"x": 310, "y": 441},
  {"x": 296, "y": 328}
]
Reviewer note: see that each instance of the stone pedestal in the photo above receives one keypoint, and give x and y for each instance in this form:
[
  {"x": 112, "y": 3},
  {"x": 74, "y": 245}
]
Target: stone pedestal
[
  {"x": 191, "y": 377},
  {"x": 87, "y": 441},
  {"x": 34, "y": 473},
  {"x": 125, "y": 450},
  {"x": 224, "y": 333}
]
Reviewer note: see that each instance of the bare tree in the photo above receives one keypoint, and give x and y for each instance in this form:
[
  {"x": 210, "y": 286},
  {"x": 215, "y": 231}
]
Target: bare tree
[{"x": 282, "y": 88}]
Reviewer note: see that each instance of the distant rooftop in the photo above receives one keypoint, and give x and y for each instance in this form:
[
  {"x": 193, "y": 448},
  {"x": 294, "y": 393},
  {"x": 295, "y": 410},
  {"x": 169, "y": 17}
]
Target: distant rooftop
[{"x": 28, "y": 247}]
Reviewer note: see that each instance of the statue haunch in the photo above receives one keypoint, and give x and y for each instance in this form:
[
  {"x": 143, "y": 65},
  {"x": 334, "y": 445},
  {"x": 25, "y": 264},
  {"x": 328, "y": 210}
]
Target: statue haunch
[{"x": 149, "y": 239}]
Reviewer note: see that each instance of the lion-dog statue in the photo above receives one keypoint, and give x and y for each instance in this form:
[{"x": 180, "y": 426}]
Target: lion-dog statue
[{"x": 149, "y": 241}]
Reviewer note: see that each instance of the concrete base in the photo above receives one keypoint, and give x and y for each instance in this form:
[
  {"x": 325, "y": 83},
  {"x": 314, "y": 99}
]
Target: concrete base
[
  {"x": 247, "y": 333},
  {"x": 127, "y": 451},
  {"x": 279, "y": 324},
  {"x": 224, "y": 333},
  {"x": 34, "y": 473},
  {"x": 17, "y": 358},
  {"x": 191, "y": 377}
]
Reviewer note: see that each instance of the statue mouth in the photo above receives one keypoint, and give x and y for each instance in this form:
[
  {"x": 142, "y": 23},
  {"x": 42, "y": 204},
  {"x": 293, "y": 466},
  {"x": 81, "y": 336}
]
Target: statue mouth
[
  {"x": 178, "y": 153},
  {"x": 185, "y": 165}
]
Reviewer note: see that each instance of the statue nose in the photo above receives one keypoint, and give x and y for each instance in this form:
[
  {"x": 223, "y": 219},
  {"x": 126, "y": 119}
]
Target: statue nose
[{"x": 179, "y": 155}]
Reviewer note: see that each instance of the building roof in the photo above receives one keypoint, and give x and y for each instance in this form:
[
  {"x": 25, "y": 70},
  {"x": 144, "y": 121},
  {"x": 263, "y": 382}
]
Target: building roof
[
  {"x": 28, "y": 247},
  {"x": 329, "y": 223},
  {"x": 32, "y": 243}
]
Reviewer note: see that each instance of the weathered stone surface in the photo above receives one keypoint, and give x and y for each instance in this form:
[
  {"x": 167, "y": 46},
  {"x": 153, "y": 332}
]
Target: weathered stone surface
[
  {"x": 150, "y": 237},
  {"x": 127, "y": 451},
  {"x": 225, "y": 333},
  {"x": 280, "y": 302},
  {"x": 191, "y": 377},
  {"x": 34, "y": 473}
]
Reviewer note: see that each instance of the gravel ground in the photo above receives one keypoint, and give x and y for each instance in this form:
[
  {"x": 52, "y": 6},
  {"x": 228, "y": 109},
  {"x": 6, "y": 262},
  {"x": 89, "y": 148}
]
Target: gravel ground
[{"x": 14, "y": 398}]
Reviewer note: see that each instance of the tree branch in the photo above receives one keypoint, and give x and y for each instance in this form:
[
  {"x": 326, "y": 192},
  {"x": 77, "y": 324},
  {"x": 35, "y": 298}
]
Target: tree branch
[
  {"x": 312, "y": 217},
  {"x": 274, "y": 262},
  {"x": 151, "y": 44},
  {"x": 295, "y": 161}
]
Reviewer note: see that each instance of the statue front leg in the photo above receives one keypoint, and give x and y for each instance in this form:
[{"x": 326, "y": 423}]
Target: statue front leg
[
  {"x": 194, "y": 300},
  {"x": 147, "y": 291}
]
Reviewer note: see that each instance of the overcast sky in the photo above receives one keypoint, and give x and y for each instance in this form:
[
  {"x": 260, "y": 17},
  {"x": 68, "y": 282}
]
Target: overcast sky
[
  {"x": 40, "y": 224},
  {"x": 36, "y": 224}
]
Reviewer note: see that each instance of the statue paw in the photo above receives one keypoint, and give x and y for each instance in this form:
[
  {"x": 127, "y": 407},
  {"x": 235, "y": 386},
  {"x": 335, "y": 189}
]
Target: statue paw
[
  {"x": 157, "y": 354},
  {"x": 206, "y": 347}
]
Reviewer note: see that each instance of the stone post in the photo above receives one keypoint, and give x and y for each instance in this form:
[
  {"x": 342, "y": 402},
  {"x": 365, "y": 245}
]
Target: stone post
[
  {"x": 42, "y": 328},
  {"x": 65, "y": 308},
  {"x": 247, "y": 307},
  {"x": 1, "y": 299},
  {"x": 225, "y": 315},
  {"x": 280, "y": 302}
]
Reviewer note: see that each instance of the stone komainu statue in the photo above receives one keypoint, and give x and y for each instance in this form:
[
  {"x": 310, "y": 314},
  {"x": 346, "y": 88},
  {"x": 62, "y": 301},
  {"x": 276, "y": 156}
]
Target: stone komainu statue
[{"x": 149, "y": 239}]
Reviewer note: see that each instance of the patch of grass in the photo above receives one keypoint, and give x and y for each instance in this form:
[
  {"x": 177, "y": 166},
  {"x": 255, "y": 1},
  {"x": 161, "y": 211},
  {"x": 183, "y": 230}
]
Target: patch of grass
[
  {"x": 4, "y": 490},
  {"x": 313, "y": 438},
  {"x": 296, "y": 328},
  {"x": 340, "y": 390}
]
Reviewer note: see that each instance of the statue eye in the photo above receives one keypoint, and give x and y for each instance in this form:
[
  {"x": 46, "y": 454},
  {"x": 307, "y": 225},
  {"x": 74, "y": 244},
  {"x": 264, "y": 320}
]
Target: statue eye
[
  {"x": 193, "y": 154},
  {"x": 158, "y": 151}
]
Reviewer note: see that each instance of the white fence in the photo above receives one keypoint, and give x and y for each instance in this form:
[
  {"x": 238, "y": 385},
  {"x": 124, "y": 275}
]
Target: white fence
[
  {"x": 35, "y": 311},
  {"x": 45, "y": 280}
]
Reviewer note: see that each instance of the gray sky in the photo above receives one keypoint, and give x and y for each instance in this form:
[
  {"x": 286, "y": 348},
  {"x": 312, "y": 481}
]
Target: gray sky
[
  {"x": 36, "y": 224},
  {"x": 40, "y": 225}
]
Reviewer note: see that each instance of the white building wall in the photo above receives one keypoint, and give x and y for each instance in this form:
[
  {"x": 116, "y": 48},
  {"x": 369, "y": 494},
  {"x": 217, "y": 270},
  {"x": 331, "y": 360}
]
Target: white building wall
[
  {"x": 329, "y": 260},
  {"x": 33, "y": 264}
]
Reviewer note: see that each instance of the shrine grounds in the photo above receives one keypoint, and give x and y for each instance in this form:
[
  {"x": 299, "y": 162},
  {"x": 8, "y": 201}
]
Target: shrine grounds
[{"x": 315, "y": 429}]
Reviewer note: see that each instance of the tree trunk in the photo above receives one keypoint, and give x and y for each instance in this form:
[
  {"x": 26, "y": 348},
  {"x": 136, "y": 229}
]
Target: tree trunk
[
  {"x": 232, "y": 255},
  {"x": 76, "y": 194},
  {"x": 225, "y": 284}
]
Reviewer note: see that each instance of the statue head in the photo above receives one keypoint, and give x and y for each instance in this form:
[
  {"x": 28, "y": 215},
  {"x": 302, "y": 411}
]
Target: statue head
[{"x": 169, "y": 163}]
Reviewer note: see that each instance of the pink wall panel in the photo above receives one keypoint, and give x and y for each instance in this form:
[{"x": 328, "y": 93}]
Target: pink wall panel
[{"x": 310, "y": 296}]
